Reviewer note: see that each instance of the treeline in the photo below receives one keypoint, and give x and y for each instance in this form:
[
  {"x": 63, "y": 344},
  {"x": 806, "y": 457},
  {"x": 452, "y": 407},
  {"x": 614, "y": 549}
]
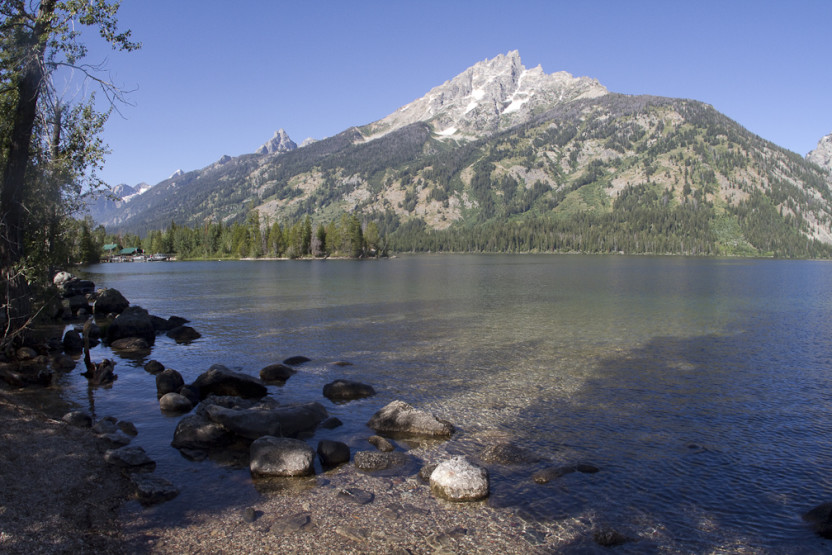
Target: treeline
[{"x": 258, "y": 238}]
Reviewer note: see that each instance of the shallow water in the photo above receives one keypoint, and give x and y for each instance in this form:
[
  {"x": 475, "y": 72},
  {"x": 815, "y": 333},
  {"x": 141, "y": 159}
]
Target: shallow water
[{"x": 700, "y": 387}]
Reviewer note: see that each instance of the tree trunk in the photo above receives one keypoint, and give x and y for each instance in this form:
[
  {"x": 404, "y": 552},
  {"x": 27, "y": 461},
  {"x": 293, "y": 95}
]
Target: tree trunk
[{"x": 12, "y": 212}]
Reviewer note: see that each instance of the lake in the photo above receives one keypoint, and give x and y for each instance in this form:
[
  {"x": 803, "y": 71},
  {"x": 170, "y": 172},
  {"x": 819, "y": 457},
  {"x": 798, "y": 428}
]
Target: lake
[{"x": 701, "y": 388}]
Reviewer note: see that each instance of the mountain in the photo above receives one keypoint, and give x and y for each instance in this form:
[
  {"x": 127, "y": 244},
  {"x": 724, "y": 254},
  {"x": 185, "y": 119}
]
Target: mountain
[
  {"x": 105, "y": 208},
  {"x": 822, "y": 155},
  {"x": 279, "y": 143},
  {"x": 505, "y": 158},
  {"x": 491, "y": 96}
]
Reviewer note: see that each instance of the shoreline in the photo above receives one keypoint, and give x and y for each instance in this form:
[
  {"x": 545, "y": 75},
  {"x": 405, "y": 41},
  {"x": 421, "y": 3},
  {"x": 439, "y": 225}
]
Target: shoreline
[{"x": 57, "y": 495}]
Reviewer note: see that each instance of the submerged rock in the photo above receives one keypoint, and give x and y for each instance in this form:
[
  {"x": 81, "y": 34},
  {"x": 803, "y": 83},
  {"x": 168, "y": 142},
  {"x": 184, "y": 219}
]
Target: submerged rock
[
  {"x": 296, "y": 360},
  {"x": 400, "y": 418},
  {"x": 507, "y": 453},
  {"x": 198, "y": 432},
  {"x": 375, "y": 460},
  {"x": 276, "y": 373},
  {"x": 280, "y": 456},
  {"x": 820, "y": 520},
  {"x": 151, "y": 490},
  {"x": 459, "y": 480},
  {"x": 346, "y": 390},
  {"x": 183, "y": 334}
]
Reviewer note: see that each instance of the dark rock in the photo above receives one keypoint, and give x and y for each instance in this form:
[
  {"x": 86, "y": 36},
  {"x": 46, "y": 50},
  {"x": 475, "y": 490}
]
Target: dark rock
[
  {"x": 459, "y": 480},
  {"x": 400, "y": 418},
  {"x": 154, "y": 367},
  {"x": 131, "y": 459},
  {"x": 26, "y": 353},
  {"x": 74, "y": 287},
  {"x": 110, "y": 301},
  {"x": 296, "y": 360},
  {"x": 280, "y": 456},
  {"x": 73, "y": 342},
  {"x": 346, "y": 390},
  {"x": 128, "y": 428},
  {"x": 174, "y": 402},
  {"x": 134, "y": 321},
  {"x": 198, "y": 432},
  {"x": 151, "y": 490},
  {"x": 79, "y": 303},
  {"x": 136, "y": 346},
  {"x": 333, "y": 453},
  {"x": 381, "y": 444},
  {"x": 168, "y": 381},
  {"x": 176, "y": 321},
  {"x": 331, "y": 423},
  {"x": 249, "y": 515},
  {"x": 375, "y": 460},
  {"x": 820, "y": 520},
  {"x": 276, "y": 373},
  {"x": 341, "y": 363},
  {"x": 546, "y": 475},
  {"x": 117, "y": 438},
  {"x": 265, "y": 420},
  {"x": 356, "y": 495},
  {"x": 78, "y": 418},
  {"x": 219, "y": 380},
  {"x": 507, "y": 453},
  {"x": 426, "y": 471},
  {"x": 159, "y": 324},
  {"x": 191, "y": 392},
  {"x": 63, "y": 363},
  {"x": 106, "y": 425},
  {"x": 183, "y": 334},
  {"x": 607, "y": 537}
]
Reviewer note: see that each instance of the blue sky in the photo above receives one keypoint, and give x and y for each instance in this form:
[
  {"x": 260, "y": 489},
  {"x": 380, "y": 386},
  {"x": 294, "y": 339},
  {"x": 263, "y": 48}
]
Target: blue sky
[{"x": 219, "y": 77}]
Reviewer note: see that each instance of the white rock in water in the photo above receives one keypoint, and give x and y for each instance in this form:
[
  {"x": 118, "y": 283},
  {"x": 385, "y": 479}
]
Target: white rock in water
[{"x": 459, "y": 480}]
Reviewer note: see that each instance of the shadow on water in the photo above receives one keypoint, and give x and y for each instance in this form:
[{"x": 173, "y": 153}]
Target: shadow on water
[{"x": 708, "y": 442}]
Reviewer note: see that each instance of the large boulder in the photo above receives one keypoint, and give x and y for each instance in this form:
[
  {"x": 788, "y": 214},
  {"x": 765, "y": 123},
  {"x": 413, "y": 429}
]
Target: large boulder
[
  {"x": 346, "y": 390},
  {"x": 266, "y": 420},
  {"x": 134, "y": 321},
  {"x": 74, "y": 286},
  {"x": 280, "y": 456},
  {"x": 174, "y": 402},
  {"x": 399, "y": 418},
  {"x": 219, "y": 380},
  {"x": 73, "y": 342},
  {"x": 459, "y": 480},
  {"x": 820, "y": 520},
  {"x": 110, "y": 301}
]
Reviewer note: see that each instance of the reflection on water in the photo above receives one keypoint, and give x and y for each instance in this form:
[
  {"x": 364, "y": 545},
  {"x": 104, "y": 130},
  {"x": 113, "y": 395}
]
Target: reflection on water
[{"x": 699, "y": 387}]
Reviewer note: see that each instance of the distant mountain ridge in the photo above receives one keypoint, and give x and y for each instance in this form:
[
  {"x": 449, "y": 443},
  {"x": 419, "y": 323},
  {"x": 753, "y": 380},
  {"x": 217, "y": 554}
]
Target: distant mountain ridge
[{"x": 500, "y": 149}]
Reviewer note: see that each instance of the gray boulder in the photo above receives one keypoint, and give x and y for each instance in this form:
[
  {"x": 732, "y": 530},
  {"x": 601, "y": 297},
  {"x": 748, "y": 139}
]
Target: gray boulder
[
  {"x": 459, "y": 480},
  {"x": 134, "y": 321},
  {"x": 280, "y": 456},
  {"x": 219, "y": 380},
  {"x": 346, "y": 390},
  {"x": 266, "y": 420},
  {"x": 174, "y": 402},
  {"x": 400, "y": 418},
  {"x": 78, "y": 418},
  {"x": 110, "y": 301},
  {"x": 168, "y": 381},
  {"x": 198, "y": 432}
]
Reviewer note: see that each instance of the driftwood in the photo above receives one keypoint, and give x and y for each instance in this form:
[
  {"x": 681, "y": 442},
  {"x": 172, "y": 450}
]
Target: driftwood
[{"x": 98, "y": 373}]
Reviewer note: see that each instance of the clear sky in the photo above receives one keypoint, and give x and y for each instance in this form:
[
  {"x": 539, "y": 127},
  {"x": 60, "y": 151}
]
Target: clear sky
[{"x": 219, "y": 77}]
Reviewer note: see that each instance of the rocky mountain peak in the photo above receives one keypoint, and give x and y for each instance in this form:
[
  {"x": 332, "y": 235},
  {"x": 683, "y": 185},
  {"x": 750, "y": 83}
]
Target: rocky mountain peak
[
  {"x": 822, "y": 155},
  {"x": 280, "y": 142},
  {"x": 490, "y": 96}
]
